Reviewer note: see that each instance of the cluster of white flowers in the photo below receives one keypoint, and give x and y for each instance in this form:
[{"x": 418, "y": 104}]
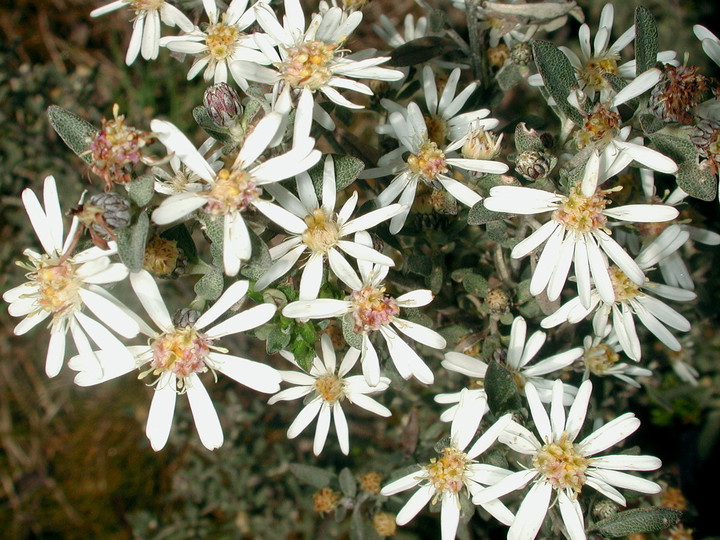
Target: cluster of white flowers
[{"x": 285, "y": 222}]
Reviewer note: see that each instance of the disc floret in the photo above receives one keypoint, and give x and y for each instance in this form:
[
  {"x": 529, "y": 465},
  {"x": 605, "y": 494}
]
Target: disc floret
[
  {"x": 582, "y": 214},
  {"x": 594, "y": 69},
  {"x": 600, "y": 127},
  {"x": 448, "y": 472},
  {"x": 322, "y": 233},
  {"x": 181, "y": 351},
  {"x": 625, "y": 289},
  {"x": 372, "y": 309},
  {"x": 330, "y": 387},
  {"x": 308, "y": 64},
  {"x": 57, "y": 283},
  {"x": 562, "y": 465},
  {"x": 234, "y": 190},
  {"x": 600, "y": 358},
  {"x": 222, "y": 40},
  {"x": 428, "y": 162}
]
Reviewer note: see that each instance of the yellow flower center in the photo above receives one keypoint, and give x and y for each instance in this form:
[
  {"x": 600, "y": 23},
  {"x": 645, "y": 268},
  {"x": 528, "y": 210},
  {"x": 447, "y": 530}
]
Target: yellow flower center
[
  {"x": 372, "y": 308},
  {"x": 141, "y": 6},
  {"x": 429, "y": 162},
  {"x": 582, "y": 214},
  {"x": 600, "y": 358},
  {"x": 182, "y": 352},
  {"x": 623, "y": 286},
  {"x": 330, "y": 387},
  {"x": 447, "y": 473},
  {"x": 322, "y": 232},
  {"x": 221, "y": 40},
  {"x": 592, "y": 72},
  {"x": 561, "y": 465},
  {"x": 233, "y": 190},
  {"x": 599, "y": 128},
  {"x": 58, "y": 286},
  {"x": 307, "y": 64},
  {"x": 161, "y": 256}
]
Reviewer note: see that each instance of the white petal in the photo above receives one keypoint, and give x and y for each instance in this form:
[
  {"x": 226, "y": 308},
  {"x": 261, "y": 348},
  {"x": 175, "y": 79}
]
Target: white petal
[
  {"x": 232, "y": 295},
  {"x": 320, "y": 308},
  {"x": 204, "y": 414},
  {"x": 306, "y": 415},
  {"x": 449, "y": 516},
  {"x": 402, "y": 354},
  {"x": 343, "y": 270},
  {"x": 106, "y": 310},
  {"x": 416, "y": 503},
  {"x": 177, "y": 142},
  {"x": 531, "y": 514},
  {"x": 622, "y": 462},
  {"x": 321, "y": 430},
  {"x": 402, "y": 484},
  {"x": 149, "y": 295},
  {"x": 341, "y": 428},
  {"x": 248, "y": 319},
  {"x": 420, "y": 333},
  {"x": 610, "y": 434},
  {"x": 572, "y": 516},
  {"x": 162, "y": 409}
]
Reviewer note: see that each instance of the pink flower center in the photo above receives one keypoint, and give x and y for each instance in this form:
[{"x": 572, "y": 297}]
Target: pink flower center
[
  {"x": 234, "y": 190},
  {"x": 183, "y": 352},
  {"x": 58, "y": 286},
  {"x": 447, "y": 473},
  {"x": 372, "y": 309},
  {"x": 428, "y": 162},
  {"x": 561, "y": 465},
  {"x": 308, "y": 64},
  {"x": 582, "y": 214}
]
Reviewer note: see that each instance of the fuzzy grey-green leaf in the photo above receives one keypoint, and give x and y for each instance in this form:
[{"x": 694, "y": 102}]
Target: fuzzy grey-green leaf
[
  {"x": 348, "y": 327},
  {"x": 558, "y": 75},
  {"x": 314, "y": 476},
  {"x": 141, "y": 190},
  {"x": 347, "y": 483},
  {"x": 638, "y": 520},
  {"x": 347, "y": 169},
  {"x": 479, "y": 215},
  {"x": 131, "y": 243},
  {"x": 73, "y": 130},
  {"x": 696, "y": 181},
  {"x": 203, "y": 120},
  {"x": 646, "y": 40},
  {"x": 502, "y": 392},
  {"x": 210, "y": 286}
]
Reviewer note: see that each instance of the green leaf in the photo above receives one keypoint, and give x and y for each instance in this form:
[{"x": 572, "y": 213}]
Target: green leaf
[
  {"x": 304, "y": 353},
  {"x": 475, "y": 284},
  {"x": 351, "y": 338},
  {"x": 528, "y": 139},
  {"x": 679, "y": 149},
  {"x": 420, "y": 50},
  {"x": 479, "y": 215},
  {"x": 502, "y": 392},
  {"x": 697, "y": 182},
  {"x": 418, "y": 264},
  {"x": 261, "y": 259},
  {"x": 558, "y": 75},
  {"x": 213, "y": 228},
  {"x": 347, "y": 483},
  {"x": 638, "y": 520},
  {"x": 314, "y": 476},
  {"x": 277, "y": 340},
  {"x": 497, "y": 232},
  {"x": 73, "y": 130},
  {"x": 347, "y": 169},
  {"x": 132, "y": 241},
  {"x": 142, "y": 189},
  {"x": 203, "y": 120},
  {"x": 210, "y": 286},
  {"x": 646, "y": 40}
]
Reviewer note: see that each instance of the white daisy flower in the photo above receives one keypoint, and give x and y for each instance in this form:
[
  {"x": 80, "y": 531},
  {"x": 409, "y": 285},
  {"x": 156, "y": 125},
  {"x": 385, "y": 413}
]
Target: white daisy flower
[
  {"x": 317, "y": 229},
  {"x": 444, "y": 121},
  {"x": 453, "y": 475},
  {"x": 311, "y": 59},
  {"x": 577, "y": 234},
  {"x": 145, "y": 37},
  {"x": 601, "y": 358},
  {"x": 179, "y": 351},
  {"x": 427, "y": 162},
  {"x": 562, "y": 466},
  {"x": 232, "y": 191},
  {"x": 60, "y": 285},
  {"x": 220, "y": 44},
  {"x": 373, "y": 310},
  {"x": 634, "y": 300},
  {"x": 327, "y": 386}
]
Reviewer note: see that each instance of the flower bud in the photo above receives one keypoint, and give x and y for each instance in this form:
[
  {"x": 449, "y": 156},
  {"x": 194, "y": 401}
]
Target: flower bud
[
  {"x": 164, "y": 259},
  {"x": 533, "y": 164},
  {"x": 222, "y": 103},
  {"x": 481, "y": 144},
  {"x": 604, "y": 509},
  {"x": 371, "y": 482},
  {"x": 325, "y": 500},
  {"x": 185, "y": 317},
  {"x": 521, "y": 54},
  {"x": 115, "y": 210},
  {"x": 498, "y": 300}
]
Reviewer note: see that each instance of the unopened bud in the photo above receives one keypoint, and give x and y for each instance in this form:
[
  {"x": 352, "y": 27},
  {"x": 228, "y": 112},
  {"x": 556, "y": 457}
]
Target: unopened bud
[
  {"x": 521, "y": 53},
  {"x": 498, "y": 300},
  {"x": 115, "y": 210},
  {"x": 371, "y": 482},
  {"x": 604, "y": 509},
  {"x": 533, "y": 165},
  {"x": 164, "y": 259},
  {"x": 185, "y": 317},
  {"x": 222, "y": 103}
]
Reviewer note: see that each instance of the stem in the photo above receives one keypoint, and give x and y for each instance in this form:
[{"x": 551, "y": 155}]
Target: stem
[
  {"x": 502, "y": 267},
  {"x": 475, "y": 35},
  {"x": 452, "y": 34}
]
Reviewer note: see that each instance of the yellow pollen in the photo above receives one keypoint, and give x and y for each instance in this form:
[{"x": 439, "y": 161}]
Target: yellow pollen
[
  {"x": 582, "y": 214},
  {"x": 447, "y": 473},
  {"x": 322, "y": 232},
  {"x": 561, "y": 465},
  {"x": 58, "y": 286},
  {"x": 599, "y": 128},
  {"x": 182, "y": 351},
  {"x": 372, "y": 308},
  {"x": 233, "y": 190},
  {"x": 330, "y": 387},
  {"x": 592, "y": 73},
  {"x": 221, "y": 40},
  {"x": 600, "y": 358},
  {"x": 624, "y": 288},
  {"x": 428, "y": 163},
  {"x": 308, "y": 64}
]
